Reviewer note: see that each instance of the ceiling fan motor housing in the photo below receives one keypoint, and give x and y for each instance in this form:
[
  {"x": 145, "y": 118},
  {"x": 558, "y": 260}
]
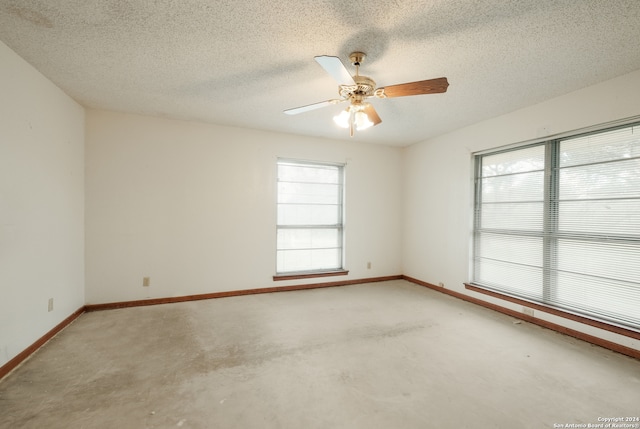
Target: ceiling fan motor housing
[{"x": 363, "y": 88}]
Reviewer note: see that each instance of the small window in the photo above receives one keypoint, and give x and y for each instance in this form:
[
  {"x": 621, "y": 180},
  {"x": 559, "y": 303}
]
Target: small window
[{"x": 309, "y": 221}]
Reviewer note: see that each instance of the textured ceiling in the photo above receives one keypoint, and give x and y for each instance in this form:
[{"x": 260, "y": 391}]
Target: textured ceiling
[{"x": 241, "y": 63}]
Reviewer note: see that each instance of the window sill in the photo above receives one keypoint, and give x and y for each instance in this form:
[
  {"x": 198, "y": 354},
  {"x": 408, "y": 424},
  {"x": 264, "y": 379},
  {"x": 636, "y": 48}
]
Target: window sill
[
  {"x": 627, "y": 332},
  {"x": 309, "y": 275}
]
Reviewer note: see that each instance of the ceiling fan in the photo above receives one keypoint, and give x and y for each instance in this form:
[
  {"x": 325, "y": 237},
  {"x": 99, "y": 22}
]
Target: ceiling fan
[{"x": 356, "y": 89}]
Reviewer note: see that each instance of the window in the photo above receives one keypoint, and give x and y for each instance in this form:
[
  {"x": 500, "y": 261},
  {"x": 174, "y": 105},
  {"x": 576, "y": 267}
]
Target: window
[
  {"x": 309, "y": 220},
  {"x": 558, "y": 223}
]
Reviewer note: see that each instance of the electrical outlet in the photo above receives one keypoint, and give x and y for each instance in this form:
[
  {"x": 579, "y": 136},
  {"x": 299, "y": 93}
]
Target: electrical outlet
[
  {"x": 50, "y": 307},
  {"x": 146, "y": 281},
  {"x": 368, "y": 265},
  {"x": 441, "y": 284},
  {"x": 528, "y": 311}
]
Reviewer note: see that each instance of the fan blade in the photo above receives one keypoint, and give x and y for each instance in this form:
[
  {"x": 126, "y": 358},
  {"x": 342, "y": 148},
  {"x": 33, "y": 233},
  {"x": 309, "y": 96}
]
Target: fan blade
[
  {"x": 372, "y": 114},
  {"x": 335, "y": 68},
  {"x": 313, "y": 106},
  {"x": 431, "y": 86}
]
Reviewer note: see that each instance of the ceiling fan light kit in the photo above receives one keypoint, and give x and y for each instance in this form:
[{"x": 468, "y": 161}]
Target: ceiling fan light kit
[
  {"x": 356, "y": 89},
  {"x": 354, "y": 117}
]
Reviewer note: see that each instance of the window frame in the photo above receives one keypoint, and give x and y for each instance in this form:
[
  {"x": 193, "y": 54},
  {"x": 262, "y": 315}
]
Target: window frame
[
  {"x": 550, "y": 233},
  {"x": 339, "y": 226}
]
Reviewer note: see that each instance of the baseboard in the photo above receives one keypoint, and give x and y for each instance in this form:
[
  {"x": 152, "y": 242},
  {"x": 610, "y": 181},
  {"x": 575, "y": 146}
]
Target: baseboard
[
  {"x": 214, "y": 295},
  {"x": 616, "y": 329},
  {"x": 634, "y": 353},
  {"x": 22, "y": 356}
]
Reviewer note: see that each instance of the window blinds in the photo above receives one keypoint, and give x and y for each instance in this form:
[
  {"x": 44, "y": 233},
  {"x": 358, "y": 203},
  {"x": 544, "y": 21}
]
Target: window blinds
[
  {"x": 309, "y": 219},
  {"x": 559, "y": 223}
]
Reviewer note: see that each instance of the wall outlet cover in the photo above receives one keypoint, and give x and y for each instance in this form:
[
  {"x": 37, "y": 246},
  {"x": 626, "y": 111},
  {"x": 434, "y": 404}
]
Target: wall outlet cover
[{"x": 528, "y": 311}]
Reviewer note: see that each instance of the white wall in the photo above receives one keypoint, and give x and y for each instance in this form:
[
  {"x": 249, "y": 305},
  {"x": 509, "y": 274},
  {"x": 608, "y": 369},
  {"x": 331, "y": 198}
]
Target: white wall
[
  {"x": 192, "y": 206},
  {"x": 41, "y": 205},
  {"x": 438, "y": 181}
]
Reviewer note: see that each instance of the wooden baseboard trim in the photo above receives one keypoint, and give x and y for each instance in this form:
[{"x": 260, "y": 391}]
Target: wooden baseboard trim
[
  {"x": 557, "y": 312},
  {"x": 22, "y": 356},
  {"x": 634, "y": 353},
  {"x": 214, "y": 295}
]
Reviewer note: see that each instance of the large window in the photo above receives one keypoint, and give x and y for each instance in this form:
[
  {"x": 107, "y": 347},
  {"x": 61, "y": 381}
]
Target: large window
[
  {"x": 558, "y": 223},
  {"x": 309, "y": 225}
]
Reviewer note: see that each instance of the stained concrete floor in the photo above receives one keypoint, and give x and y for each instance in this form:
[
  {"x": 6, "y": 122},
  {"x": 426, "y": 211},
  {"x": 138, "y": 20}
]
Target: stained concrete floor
[{"x": 381, "y": 355}]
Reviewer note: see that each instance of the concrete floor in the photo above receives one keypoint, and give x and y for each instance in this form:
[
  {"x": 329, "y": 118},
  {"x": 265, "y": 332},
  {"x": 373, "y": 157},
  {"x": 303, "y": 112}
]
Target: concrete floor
[{"x": 381, "y": 355}]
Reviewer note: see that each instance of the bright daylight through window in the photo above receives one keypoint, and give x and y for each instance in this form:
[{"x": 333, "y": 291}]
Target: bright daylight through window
[
  {"x": 309, "y": 225},
  {"x": 558, "y": 223}
]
